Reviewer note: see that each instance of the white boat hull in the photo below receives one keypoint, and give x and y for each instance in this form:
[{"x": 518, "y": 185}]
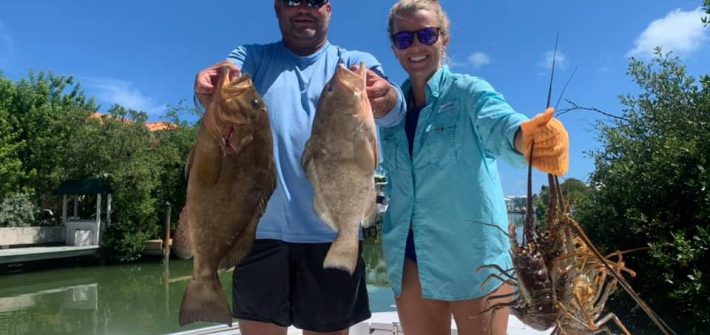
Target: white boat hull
[{"x": 382, "y": 323}]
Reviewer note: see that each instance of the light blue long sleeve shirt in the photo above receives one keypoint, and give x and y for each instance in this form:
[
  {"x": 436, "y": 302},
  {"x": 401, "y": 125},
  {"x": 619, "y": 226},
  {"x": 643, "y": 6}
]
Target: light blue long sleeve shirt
[
  {"x": 449, "y": 191},
  {"x": 290, "y": 86}
]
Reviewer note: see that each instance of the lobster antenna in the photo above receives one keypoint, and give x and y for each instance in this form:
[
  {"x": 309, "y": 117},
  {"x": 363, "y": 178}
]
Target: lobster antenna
[
  {"x": 565, "y": 87},
  {"x": 552, "y": 73},
  {"x": 529, "y": 218}
]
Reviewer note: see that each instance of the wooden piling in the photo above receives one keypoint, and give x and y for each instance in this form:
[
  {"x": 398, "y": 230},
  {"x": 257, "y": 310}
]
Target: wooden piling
[{"x": 166, "y": 238}]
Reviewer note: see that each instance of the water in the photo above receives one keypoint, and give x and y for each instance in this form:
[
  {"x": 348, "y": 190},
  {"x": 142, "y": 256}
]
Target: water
[{"x": 141, "y": 298}]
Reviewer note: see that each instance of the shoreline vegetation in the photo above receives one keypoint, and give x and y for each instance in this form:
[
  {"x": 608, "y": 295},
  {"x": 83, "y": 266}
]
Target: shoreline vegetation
[{"x": 650, "y": 187}]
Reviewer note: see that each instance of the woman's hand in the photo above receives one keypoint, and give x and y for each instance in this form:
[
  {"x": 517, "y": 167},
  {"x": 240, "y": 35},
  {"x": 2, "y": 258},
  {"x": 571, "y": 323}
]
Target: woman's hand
[{"x": 551, "y": 151}]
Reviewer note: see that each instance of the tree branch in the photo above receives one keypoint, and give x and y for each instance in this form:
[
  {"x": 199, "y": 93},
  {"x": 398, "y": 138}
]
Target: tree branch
[{"x": 577, "y": 107}]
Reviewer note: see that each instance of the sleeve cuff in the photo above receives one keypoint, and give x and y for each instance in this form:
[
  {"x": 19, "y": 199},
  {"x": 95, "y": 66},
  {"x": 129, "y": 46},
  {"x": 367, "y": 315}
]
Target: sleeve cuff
[
  {"x": 198, "y": 104},
  {"x": 396, "y": 115},
  {"x": 512, "y": 155}
]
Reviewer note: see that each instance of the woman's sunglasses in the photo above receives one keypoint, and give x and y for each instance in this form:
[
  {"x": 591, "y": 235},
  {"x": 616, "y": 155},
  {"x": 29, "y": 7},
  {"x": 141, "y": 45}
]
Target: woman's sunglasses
[
  {"x": 311, "y": 3},
  {"x": 405, "y": 39}
]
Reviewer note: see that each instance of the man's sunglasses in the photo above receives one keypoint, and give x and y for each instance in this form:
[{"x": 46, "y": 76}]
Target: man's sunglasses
[
  {"x": 311, "y": 3},
  {"x": 405, "y": 39}
]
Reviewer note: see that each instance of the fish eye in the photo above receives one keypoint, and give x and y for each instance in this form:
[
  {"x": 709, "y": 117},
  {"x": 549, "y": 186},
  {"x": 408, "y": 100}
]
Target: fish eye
[
  {"x": 255, "y": 104},
  {"x": 329, "y": 89}
]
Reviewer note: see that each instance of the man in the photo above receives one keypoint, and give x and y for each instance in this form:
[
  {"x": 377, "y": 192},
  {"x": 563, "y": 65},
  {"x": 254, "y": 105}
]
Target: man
[{"x": 282, "y": 282}]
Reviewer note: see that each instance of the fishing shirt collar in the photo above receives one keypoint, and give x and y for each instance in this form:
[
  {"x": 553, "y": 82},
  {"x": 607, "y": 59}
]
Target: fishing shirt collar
[
  {"x": 436, "y": 85},
  {"x": 309, "y": 59}
]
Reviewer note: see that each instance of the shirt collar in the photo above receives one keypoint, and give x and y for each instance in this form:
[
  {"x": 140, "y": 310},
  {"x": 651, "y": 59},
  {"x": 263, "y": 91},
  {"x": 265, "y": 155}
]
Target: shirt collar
[
  {"x": 308, "y": 58},
  {"x": 436, "y": 84}
]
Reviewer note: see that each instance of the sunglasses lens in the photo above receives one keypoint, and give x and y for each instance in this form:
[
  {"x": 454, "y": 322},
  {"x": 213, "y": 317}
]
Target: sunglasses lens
[
  {"x": 403, "y": 39},
  {"x": 428, "y": 36},
  {"x": 292, "y": 3},
  {"x": 316, "y": 3}
]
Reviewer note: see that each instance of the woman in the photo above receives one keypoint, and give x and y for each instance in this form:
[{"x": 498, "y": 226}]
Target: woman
[{"x": 447, "y": 214}]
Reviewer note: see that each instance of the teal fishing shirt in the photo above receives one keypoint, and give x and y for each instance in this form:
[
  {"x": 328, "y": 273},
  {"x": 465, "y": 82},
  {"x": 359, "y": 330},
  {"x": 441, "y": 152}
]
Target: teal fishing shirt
[
  {"x": 449, "y": 191},
  {"x": 291, "y": 86}
]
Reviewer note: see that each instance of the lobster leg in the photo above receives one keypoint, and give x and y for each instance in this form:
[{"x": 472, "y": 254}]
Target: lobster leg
[
  {"x": 510, "y": 281},
  {"x": 501, "y": 296},
  {"x": 495, "y": 267},
  {"x": 612, "y": 317},
  {"x": 662, "y": 326},
  {"x": 500, "y": 306},
  {"x": 571, "y": 316}
]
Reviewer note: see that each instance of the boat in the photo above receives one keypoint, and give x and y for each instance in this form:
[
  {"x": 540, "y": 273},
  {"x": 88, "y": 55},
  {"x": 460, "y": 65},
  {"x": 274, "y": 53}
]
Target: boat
[{"x": 381, "y": 323}]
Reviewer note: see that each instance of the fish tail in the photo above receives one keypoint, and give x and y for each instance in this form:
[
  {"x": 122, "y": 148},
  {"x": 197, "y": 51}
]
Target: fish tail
[
  {"x": 342, "y": 255},
  {"x": 204, "y": 300}
]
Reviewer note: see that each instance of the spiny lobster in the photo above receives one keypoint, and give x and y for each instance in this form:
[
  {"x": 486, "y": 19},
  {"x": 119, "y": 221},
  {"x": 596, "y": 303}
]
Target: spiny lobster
[{"x": 560, "y": 277}]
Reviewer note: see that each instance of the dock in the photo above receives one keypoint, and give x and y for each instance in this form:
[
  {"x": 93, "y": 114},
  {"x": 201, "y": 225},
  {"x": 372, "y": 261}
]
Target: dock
[{"x": 20, "y": 255}]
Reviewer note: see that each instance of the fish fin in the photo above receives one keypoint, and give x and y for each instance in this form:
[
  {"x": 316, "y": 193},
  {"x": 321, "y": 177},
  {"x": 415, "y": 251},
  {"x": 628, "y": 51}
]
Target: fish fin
[
  {"x": 188, "y": 163},
  {"x": 306, "y": 159},
  {"x": 241, "y": 246},
  {"x": 322, "y": 210},
  {"x": 370, "y": 209},
  {"x": 207, "y": 164},
  {"x": 245, "y": 240},
  {"x": 319, "y": 205},
  {"x": 371, "y": 133},
  {"x": 204, "y": 300},
  {"x": 375, "y": 150},
  {"x": 365, "y": 155},
  {"x": 181, "y": 241},
  {"x": 342, "y": 255}
]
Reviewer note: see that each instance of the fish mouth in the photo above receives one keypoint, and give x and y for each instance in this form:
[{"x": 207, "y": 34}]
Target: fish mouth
[
  {"x": 223, "y": 120},
  {"x": 227, "y": 146},
  {"x": 352, "y": 81}
]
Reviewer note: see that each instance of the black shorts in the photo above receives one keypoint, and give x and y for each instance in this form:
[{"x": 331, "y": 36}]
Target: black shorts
[{"x": 285, "y": 284}]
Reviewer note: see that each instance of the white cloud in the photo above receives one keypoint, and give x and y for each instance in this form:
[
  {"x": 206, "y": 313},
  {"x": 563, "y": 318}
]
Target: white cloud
[
  {"x": 479, "y": 59},
  {"x": 680, "y": 32},
  {"x": 112, "y": 91},
  {"x": 559, "y": 57},
  {"x": 6, "y": 45},
  {"x": 453, "y": 61}
]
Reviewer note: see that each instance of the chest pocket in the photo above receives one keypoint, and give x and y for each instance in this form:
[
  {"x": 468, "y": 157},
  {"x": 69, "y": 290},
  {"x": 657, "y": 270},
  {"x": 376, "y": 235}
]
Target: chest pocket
[
  {"x": 390, "y": 150},
  {"x": 440, "y": 142}
]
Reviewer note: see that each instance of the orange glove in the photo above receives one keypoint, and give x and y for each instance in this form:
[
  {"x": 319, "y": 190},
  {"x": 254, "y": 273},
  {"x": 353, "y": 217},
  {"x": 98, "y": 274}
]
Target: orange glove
[{"x": 551, "y": 151}]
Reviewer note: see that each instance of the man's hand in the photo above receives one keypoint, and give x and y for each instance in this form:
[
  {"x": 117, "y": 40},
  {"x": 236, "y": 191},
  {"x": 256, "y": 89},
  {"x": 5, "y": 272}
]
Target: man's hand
[
  {"x": 551, "y": 151},
  {"x": 206, "y": 80}
]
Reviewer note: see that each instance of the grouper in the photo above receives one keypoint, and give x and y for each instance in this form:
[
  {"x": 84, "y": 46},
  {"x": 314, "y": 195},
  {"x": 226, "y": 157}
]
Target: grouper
[
  {"x": 339, "y": 160},
  {"x": 231, "y": 176}
]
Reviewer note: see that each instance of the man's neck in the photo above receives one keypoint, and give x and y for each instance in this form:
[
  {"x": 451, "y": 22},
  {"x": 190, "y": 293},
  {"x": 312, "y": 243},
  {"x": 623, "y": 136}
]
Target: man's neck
[{"x": 305, "y": 50}]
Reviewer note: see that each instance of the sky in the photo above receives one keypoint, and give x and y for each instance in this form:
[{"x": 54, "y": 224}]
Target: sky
[{"x": 145, "y": 54}]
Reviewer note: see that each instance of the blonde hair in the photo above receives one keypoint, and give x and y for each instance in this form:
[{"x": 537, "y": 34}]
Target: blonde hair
[
  {"x": 408, "y": 6},
  {"x": 404, "y": 6}
]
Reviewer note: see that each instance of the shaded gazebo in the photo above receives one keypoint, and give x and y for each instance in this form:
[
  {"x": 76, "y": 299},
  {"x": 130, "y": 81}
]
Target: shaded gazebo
[{"x": 84, "y": 231}]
